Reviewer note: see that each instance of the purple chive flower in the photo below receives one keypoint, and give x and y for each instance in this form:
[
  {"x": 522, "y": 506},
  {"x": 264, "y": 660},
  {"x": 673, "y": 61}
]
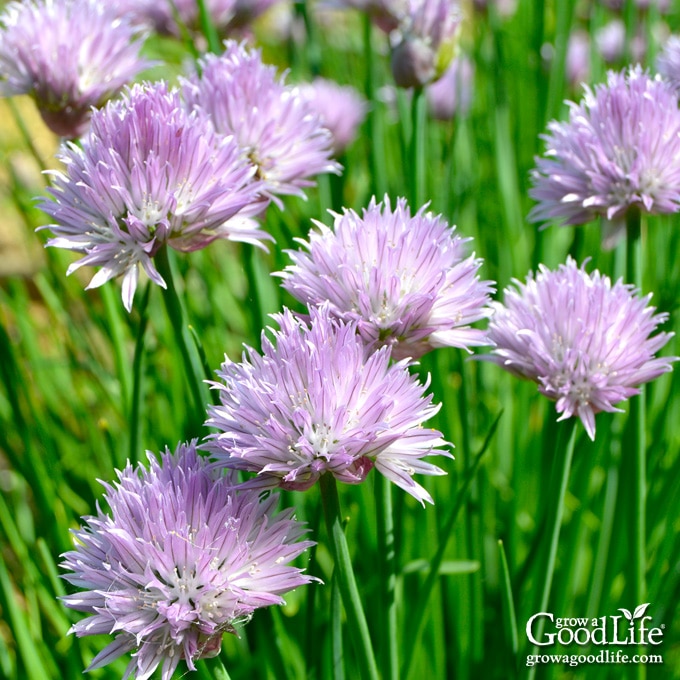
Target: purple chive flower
[
  {"x": 577, "y": 63},
  {"x": 314, "y": 402},
  {"x": 619, "y": 150},
  {"x": 668, "y": 62},
  {"x": 424, "y": 42},
  {"x": 276, "y": 129},
  {"x": 611, "y": 40},
  {"x": 181, "y": 559},
  {"x": 340, "y": 107},
  {"x": 585, "y": 341},
  {"x": 406, "y": 281},
  {"x": 68, "y": 55},
  {"x": 452, "y": 93},
  {"x": 149, "y": 174}
]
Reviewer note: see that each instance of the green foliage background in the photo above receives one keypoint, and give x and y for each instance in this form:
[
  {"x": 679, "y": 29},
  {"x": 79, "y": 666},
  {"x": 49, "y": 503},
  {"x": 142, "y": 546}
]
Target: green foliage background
[{"x": 68, "y": 415}]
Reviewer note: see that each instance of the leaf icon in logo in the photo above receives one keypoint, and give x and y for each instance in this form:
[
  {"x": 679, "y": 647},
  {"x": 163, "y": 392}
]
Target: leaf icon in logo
[
  {"x": 640, "y": 610},
  {"x": 626, "y": 613}
]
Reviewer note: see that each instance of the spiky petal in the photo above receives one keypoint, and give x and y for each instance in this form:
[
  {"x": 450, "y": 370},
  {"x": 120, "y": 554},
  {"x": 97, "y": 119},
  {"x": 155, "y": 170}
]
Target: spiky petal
[
  {"x": 277, "y": 130},
  {"x": 406, "y": 280},
  {"x": 315, "y": 403},
  {"x": 620, "y": 149},
  {"x": 69, "y": 56},
  {"x": 340, "y": 108},
  {"x": 181, "y": 559},
  {"x": 586, "y": 342},
  {"x": 149, "y": 174}
]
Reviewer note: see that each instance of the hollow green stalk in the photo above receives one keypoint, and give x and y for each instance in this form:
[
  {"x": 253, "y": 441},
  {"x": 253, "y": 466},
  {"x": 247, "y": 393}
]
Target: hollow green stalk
[
  {"x": 417, "y": 620},
  {"x": 137, "y": 378},
  {"x": 638, "y": 440},
  {"x": 387, "y": 567},
  {"x": 208, "y": 28},
  {"x": 375, "y": 124},
  {"x": 417, "y": 150},
  {"x": 116, "y": 332},
  {"x": 356, "y": 619},
  {"x": 192, "y": 365},
  {"x": 563, "y": 457}
]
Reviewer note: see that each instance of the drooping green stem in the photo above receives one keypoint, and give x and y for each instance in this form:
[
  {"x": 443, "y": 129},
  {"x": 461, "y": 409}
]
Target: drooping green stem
[
  {"x": 192, "y": 364},
  {"x": 356, "y": 619},
  {"x": 417, "y": 621},
  {"x": 417, "y": 150},
  {"x": 389, "y": 653},
  {"x": 564, "y": 455},
  {"x": 137, "y": 376}
]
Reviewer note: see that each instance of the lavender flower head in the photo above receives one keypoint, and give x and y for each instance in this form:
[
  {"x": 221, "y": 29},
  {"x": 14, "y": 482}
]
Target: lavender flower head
[
  {"x": 619, "y": 150},
  {"x": 68, "y": 55},
  {"x": 276, "y": 129},
  {"x": 340, "y": 107},
  {"x": 181, "y": 559},
  {"x": 668, "y": 62},
  {"x": 425, "y": 42},
  {"x": 611, "y": 40},
  {"x": 406, "y": 281},
  {"x": 452, "y": 93},
  {"x": 149, "y": 174},
  {"x": 314, "y": 402},
  {"x": 586, "y": 342},
  {"x": 577, "y": 64}
]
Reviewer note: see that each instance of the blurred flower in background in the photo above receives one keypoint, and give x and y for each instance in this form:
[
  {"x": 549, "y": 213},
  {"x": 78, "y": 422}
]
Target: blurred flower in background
[
  {"x": 407, "y": 281},
  {"x": 611, "y": 41},
  {"x": 69, "y": 56},
  {"x": 149, "y": 174},
  {"x": 180, "y": 560},
  {"x": 586, "y": 342},
  {"x": 451, "y": 95},
  {"x": 316, "y": 402},
  {"x": 578, "y": 58},
  {"x": 340, "y": 107},
  {"x": 277, "y": 130},
  {"x": 668, "y": 62},
  {"x": 620, "y": 149},
  {"x": 424, "y": 42}
]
